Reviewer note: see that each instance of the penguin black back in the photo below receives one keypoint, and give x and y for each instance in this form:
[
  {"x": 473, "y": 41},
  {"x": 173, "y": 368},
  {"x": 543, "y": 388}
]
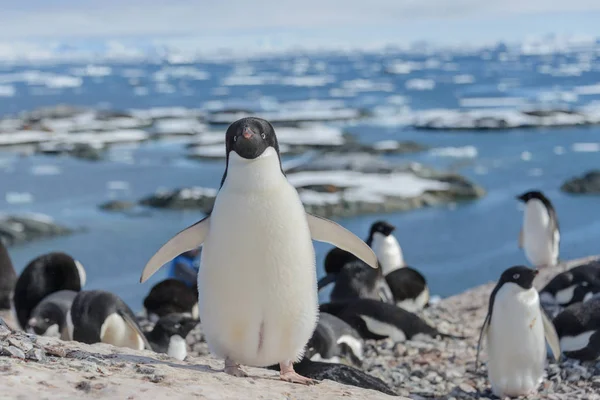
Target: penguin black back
[
  {"x": 578, "y": 319},
  {"x": 357, "y": 280},
  {"x": 406, "y": 283},
  {"x": 171, "y": 296},
  {"x": 8, "y": 278},
  {"x": 170, "y": 325},
  {"x": 335, "y": 338},
  {"x": 572, "y": 286},
  {"x": 45, "y": 274}
]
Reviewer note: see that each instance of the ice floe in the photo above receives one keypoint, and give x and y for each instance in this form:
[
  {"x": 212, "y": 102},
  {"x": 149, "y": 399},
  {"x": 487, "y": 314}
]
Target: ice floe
[
  {"x": 178, "y": 126},
  {"x": 191, "y": 73},
  {"x": 7, "y": 91},
  {"x": 585, "y": 147},
  {"x": 458, "y": 152},
  {"x": 420, "y": 84}
]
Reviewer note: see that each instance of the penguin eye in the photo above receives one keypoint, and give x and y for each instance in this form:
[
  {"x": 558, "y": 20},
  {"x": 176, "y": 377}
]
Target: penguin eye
[
  {"x": 262, "y": 135},
  {"x": 516, "y": 276}
]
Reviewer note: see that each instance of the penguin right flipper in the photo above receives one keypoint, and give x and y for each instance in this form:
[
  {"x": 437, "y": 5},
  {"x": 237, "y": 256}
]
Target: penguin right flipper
[
  {"x": 324, "y": 230},
  {"x": 551, "y": 335},
  {"x": 521, "y": 238},
  {"x": 188, "y": 239},
  {"x": 135, "y": 327},
  {"x": 484, "y": 331}
]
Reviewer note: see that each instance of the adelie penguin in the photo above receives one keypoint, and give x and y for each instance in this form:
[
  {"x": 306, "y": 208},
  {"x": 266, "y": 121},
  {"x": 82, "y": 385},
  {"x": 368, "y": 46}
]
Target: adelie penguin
[
  {"x": 8, "y": 278},
  {"x": 576, "y": 285},
  {"x": 49, "y": 317},
  {"x": 334, "y": 341},
  {"x": 44, "y": 275},
  {"x": 97, "y": 316},
  {"x": 516, "y": 329},
  {"x": 257, "y": 285},
  {"x": 578, "y": 328},
  {"x": 540, "y": 235},
  {"x": 171, "y": 296}
]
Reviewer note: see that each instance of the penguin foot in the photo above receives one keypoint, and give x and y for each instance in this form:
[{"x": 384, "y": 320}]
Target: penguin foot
[
  {"x": 233, "y": 368},
  {"x": 288, "y": 374}
]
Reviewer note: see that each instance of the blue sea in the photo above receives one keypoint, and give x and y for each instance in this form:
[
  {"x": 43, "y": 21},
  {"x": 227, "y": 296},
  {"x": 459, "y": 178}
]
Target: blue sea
[{"x": 455, "y": 247}]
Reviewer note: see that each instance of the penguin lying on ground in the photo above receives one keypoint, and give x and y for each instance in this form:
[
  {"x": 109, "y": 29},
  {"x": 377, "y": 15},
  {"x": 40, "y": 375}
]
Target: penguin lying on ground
[
  {"x": 377, "y": 320},
  {"x": 49, "y": 317},
  {"x": 409, "y": 289},
  {"x": 339, "y": 373},
  {"x": 258, "y": 298},
  {"x": 578, "y": 328},
  {"x": 357, "y": 280},
  {"x": 573, "y": 286},
  {"x": 171, "y": 296},
  {"x": 44, "y": 275},
  {"x": 334, "y": 341},
  {"x": 97, "y": 316},
  {"x": 516, "y": 329},
  {"x": 540, "y": 234}
]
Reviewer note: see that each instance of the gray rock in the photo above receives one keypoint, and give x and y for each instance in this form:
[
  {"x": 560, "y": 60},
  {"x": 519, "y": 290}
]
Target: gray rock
[
  {"x": 588, "y": 183},
  {"x": 116, "y": 205},
  {"x": 20, "y": 229}
]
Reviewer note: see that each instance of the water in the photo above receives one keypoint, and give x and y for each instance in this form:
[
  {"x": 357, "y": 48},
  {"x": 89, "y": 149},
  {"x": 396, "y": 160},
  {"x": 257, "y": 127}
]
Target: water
[{"x": 454, "y": 247}]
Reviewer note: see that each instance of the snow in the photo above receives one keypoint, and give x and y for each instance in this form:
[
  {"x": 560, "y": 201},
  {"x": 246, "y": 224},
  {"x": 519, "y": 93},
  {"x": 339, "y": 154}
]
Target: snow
[
  {"x": 493, "y": 102},
  {"x": 164, "y": 112},
  {"x": 289, "y": 115},
  {"x": 174, "y": 126},
  {"x": 108, "y": 137},
  {"x": 24, "y": 137},
  {"x": 458, "y": 152},
  {"x": 197, "y": 192}
]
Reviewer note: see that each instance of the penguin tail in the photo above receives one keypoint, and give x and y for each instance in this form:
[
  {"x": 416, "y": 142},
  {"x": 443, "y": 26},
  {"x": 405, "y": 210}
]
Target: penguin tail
[{"x": 134, "y": 325}]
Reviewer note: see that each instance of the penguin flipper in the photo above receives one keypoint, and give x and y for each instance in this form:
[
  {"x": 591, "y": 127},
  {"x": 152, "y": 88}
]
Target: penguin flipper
[
  {"x": 521, "y": 238},
  {"x": 136, "y": 328},
  {"x": 188, "y": 239},
  {"x": 326, "y": 280},
  {"x": 324, "y": 230},
  {"x": 484, "y": 331},
  {"x": 551, "y": 335}
]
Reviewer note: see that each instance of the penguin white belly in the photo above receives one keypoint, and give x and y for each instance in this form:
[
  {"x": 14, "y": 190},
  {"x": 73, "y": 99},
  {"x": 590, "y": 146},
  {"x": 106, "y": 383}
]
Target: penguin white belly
[
  {"x": 539, "y": 242},
  {"x": 388, "y": 252},
  {"x": 257, "y": 282},
  {"x": 516, "y": 343}
]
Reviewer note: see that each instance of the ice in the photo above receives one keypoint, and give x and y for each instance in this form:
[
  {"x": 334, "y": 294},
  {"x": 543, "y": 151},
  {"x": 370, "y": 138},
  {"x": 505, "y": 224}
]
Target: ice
[
  {"x": 24, "y": 137},
  {"x": 386, "y": 145},
  {"x": 464, "y": 79},
  {"x": 586, "y": 147},
  {"x": 18, "y": 198},
  {"x": 403, "y": 67},
  {"x": 178, "y": 126},
  {"x": 190, "y": 73},
  {"x": 310, "y": 197},
  {"x": 260, "y": 80},
  {"x": 218, "y": 151},
  {"x": 493, "y": 102},
  {"x": 62, "y": 82},
  {"x": 108, "y": 137},
  {"x": 118, "y": 185},
  {"x": 588, "y": 89},
  {"x": 10, "y": 124},
  {"x": 420, "y": 84},
  {"x": 93, "y": 71},
  {"x": 458, "y": 152},
  {"x": 46, "y": 170},
  {"x": 289, "y": 115},
  {"x": 7, "y": 91},
  {"x": 165, "y": 112}
]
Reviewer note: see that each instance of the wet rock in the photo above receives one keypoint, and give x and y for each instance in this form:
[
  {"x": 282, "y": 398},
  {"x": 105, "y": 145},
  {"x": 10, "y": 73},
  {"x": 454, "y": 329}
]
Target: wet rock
[
  {"x": 117, "y": 205},
  {"x": 588, "y": 183},
  {"x": 21, "y": 229}
]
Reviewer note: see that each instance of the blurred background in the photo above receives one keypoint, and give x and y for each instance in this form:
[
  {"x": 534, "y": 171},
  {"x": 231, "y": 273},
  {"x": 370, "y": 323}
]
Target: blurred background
[{"x": 432, "y": 115}]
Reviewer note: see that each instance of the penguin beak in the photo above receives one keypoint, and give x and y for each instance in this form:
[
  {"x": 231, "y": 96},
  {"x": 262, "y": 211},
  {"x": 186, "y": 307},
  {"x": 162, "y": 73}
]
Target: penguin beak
[
  {"x": 247, "y": 133},
  {"x": 535, "y": 272}
]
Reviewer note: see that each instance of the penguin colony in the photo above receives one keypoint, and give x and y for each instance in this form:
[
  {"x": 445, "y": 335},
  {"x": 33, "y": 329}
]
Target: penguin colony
[{"x": 269, "y": 314}]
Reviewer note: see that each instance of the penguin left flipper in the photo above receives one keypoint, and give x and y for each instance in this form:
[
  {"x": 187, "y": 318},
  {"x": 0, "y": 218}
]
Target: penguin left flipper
[
  {"x": 188, "y": 239},
  {"x": 324, "y": 230},
  {"x": 521, "y": 238},
  {"x": 135, "y": 327},
  {"x": 551, "y": 335},
  {"x": 484, "y": 331}
]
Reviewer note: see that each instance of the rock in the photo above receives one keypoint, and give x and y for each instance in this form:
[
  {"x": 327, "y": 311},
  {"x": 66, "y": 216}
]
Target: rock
[
  {"x": 88, "y": 151},
  {"x": 116, "y": 205},
  {"x": 588, "y": 183},
  {"x": 20, "y": 229}
]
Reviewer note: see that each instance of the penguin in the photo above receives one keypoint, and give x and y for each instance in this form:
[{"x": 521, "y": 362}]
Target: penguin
[
  {"x": 49, "y": 317},
  {"x": 578, "y": 328},
  {"x": 576, "y": 285},
  {"x": 357, "y": 280},
  {"x": 334, "y": 341},
  {"x": 44, "y": 275},
  {"x": 8, "y": 278},
  {"x": 257, "y": 285},
  {"x": 171, "y": 296},
  {"x": 386, "y": 247},
  {"x": 169, "y": 333},
  {"x": 515, "y": 328},
  {"x": 97, "y": 316},
  {"x": 409, "y": 289},
  {"x": 540, "y": 235},
  {"x": 377, "y": 320}
]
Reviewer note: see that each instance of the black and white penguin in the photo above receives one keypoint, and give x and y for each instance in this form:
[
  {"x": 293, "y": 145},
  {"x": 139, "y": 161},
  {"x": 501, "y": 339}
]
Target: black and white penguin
[
  {"x": 334, "y": 341},
  {"x": 340, "y": 373},
  {"x": 258, "y": 232},
  {"x": 169, "y": 333},
  {"x": 357, "y": 280},
  {"x": 49, "y": 317},
  {"x": 44, "y": 275},
  {"x": 8, "y": 278},
  {"x": 385, "y": 246},
  {"x": 377, "y": 320},
  {"x": 171, "y": 296},
  {"x": 409, "y": 289},
  {"x": 578, "y": 328},
  {"x": 576, "y": 285},
  {"x": 97, "y": 316},
  {"x": 540, "y": 234},
  {"x": 516, "y": 329}
]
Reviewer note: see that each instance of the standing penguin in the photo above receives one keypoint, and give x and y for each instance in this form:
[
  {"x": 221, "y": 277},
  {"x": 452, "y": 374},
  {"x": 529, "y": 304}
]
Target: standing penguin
[
  {"x": 540, "y": 234},
  {"x": 44, "y": 275},
  {"x": 257, "y": 283},
  {"x": 385, "y": 246},
  {"x": 515, "y": 328},
  {"x": 8, "y": 278}
]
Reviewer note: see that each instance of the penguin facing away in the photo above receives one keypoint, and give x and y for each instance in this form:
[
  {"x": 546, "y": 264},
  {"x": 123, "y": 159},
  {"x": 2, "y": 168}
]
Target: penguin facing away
[
  {"x": 578, "y": 327},
  {"x": 171, "y": 296},
  {"x": 257, "y": 282},
  {"x": 44, "y": 275},
  {"x": 169, "y": 333},
  {"x": 540, "y": 234},
  {"x": 516, "y": 329},
  {"x": 8, "y": 278},
  {"x": 576, "y": 285},
  {"x": 49, "y": 317},
  {"x": 97, "y": 316}
]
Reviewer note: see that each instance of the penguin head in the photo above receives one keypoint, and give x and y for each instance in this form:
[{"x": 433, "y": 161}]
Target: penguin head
[
  {"x": 46, "y": 320},
  {"x": 382, "y": 227},
  {"x": 519, "y": 275},
  {"x": 533, "y": 194},
  {"x": 175, "y": 324},
  {"x": 250, "y": 137}
]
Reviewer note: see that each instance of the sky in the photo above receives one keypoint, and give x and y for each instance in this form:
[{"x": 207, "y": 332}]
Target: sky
[{"x": 241, "y": 22}]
